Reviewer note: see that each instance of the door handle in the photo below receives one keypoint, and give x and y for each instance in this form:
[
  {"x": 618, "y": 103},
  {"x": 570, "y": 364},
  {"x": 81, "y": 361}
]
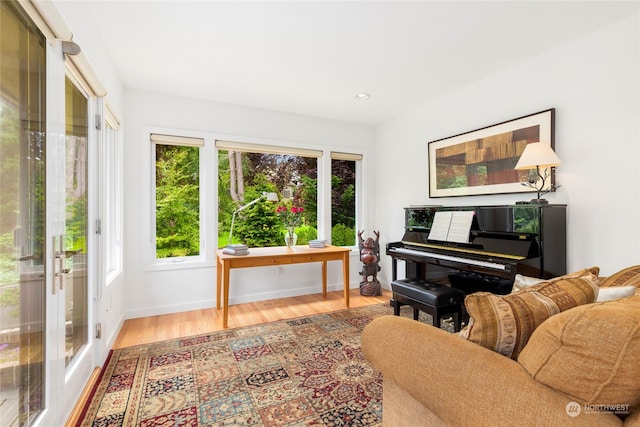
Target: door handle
[
  {"x": 61, "y": 276},
  {"x": 60, "y": 272}
]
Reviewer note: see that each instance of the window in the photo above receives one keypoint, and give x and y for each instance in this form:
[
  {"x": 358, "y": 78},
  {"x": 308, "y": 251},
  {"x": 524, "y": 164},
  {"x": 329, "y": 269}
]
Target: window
[
  {"x": 323, "y": 188},
  {"x": 177, "y": 196},
  {"x": 245, "y": 171},
  {"x": 112, "y": 219},
  {"x": 344, "y": 173}
]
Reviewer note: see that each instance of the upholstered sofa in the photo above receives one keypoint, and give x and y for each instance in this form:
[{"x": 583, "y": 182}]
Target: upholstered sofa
[{"x": 579, "y": 367}]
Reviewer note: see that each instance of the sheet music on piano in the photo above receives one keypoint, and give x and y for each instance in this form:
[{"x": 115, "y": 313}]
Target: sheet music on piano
[{"x": 451, "y": 226}]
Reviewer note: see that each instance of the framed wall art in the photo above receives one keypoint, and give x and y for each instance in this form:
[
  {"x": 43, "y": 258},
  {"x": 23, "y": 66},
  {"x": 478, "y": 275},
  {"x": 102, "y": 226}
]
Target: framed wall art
[{"x": 482, "y": 161}]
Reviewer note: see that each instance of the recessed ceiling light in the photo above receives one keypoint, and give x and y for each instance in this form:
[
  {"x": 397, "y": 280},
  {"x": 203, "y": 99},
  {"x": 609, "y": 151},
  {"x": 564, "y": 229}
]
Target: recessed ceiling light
[{"x": 361, "y": 96}]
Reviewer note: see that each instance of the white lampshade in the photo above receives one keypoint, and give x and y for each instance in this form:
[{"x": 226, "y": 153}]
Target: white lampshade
[{"x": 537, "y": 154}]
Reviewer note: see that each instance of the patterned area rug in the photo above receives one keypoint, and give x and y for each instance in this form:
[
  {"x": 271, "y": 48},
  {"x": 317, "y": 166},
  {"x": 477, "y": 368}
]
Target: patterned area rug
[{"x": 301, "y": 372}]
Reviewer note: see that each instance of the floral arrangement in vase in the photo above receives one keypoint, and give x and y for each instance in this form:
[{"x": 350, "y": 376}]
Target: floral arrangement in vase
[{"x": 290, "y": 218}]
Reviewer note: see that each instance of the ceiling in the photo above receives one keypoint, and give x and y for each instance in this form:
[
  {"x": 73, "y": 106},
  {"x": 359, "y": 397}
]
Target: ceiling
[{"x": 312, "y": 57}]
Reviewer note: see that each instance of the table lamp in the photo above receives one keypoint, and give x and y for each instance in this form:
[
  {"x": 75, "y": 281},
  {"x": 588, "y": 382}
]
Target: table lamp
[
  {"x": 271, "y": 197},
  {"x": 538, "y": 155}
]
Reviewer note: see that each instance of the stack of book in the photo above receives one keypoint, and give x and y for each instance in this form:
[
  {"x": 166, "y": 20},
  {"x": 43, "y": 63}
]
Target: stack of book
[
  {"x": 317, "y": 243},
  {"x": 236, "y": 249}
]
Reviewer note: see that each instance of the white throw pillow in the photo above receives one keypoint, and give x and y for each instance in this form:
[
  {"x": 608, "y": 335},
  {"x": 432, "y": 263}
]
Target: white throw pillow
[
  {"x": 615, "y": 292},
  {"x": 522, "y": 282}
]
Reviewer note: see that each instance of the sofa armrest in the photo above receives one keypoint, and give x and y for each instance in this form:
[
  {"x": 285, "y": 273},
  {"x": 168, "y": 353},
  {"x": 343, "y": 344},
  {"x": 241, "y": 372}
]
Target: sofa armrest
[{"x": 463, "y": 383}]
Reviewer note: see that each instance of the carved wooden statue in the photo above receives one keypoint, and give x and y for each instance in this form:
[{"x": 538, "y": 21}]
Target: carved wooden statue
[{"x": 370, "y": 256}]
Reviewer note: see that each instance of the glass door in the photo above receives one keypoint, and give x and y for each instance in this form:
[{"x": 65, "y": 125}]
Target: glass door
[
  {"x": 74, "y": 265},
  {"x": 46, "y": 350},
  {"x": 23, "y": 278}
]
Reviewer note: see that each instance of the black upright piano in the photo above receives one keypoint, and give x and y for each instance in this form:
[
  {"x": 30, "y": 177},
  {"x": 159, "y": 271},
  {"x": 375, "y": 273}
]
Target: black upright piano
[{"x": 527, "y": 239}]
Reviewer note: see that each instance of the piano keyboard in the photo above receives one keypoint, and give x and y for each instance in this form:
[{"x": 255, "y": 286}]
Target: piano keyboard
[
  {"x": 467, "y": 250},
  {"x": 486, "y": 264}
]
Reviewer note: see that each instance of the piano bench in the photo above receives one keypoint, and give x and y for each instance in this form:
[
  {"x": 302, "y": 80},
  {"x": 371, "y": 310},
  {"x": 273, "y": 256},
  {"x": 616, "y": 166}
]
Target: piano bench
[{"x": 433, "y": 298}]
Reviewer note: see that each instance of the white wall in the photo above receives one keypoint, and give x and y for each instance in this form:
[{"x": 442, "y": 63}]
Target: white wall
[
  {"x": 594, "y": 84},
  {"x": 151, "y": 292}
]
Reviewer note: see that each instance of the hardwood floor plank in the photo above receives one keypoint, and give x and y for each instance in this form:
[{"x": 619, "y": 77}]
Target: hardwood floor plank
[{"x": 170, "y": 326}]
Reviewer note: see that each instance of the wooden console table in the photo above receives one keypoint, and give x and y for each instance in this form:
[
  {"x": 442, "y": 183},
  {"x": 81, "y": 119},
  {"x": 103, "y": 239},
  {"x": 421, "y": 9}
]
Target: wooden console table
[{"x": 280, "y": 255}]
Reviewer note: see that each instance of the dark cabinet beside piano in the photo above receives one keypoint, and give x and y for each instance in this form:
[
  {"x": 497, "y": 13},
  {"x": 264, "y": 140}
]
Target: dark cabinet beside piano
[{"x": 528, "y": 239}]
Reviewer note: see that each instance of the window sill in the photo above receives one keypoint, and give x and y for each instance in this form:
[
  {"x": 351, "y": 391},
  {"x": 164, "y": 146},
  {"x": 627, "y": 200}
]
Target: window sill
[{"x": 179, "y": 264}]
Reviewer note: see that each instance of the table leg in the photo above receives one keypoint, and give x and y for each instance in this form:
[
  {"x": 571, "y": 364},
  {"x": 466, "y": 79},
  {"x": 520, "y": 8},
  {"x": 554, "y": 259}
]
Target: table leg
[
  {"x": 225, "y": 291},
  {"x": 218, "y": 282},
  {"x": 345, "y": 276},
  {"x": 324, "y": 279}
]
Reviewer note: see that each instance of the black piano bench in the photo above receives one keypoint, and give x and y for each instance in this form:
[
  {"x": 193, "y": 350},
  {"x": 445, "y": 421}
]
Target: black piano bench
[{"x": 433, "y": 298}]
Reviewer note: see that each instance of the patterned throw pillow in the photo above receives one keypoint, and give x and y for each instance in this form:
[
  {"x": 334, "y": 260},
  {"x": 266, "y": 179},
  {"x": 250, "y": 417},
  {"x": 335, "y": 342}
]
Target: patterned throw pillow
[
  {"x": 625, "y": 277},
  {"x": 504, "y": 323}
]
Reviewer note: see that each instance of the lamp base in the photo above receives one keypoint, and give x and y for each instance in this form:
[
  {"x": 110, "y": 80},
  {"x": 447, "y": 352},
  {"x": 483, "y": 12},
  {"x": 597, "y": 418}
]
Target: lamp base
[
  {"x": 539, "y": 201},
  {"x": 533, "y": 202}
]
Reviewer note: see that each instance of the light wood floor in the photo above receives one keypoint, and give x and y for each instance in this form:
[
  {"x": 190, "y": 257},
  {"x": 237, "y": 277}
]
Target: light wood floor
[{"x": 169, "y": 326}]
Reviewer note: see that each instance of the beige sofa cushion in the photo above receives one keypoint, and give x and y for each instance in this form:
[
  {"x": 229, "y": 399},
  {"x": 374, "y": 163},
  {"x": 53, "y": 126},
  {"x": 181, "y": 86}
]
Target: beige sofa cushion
[
  {"x": 591, "y": 353},
  {"x": 504, "y": 323}
]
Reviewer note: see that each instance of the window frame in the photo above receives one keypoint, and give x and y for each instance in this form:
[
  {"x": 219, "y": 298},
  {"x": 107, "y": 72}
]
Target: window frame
[
  {"x": 358, "y": 158},
  {"x": 205, "y": 257},
  {"x": 112, "y": 196},
  {"x": 273, "y": 148},
  {"x": 325, "y": 155},
  {"x": 209, "y": 192}
]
